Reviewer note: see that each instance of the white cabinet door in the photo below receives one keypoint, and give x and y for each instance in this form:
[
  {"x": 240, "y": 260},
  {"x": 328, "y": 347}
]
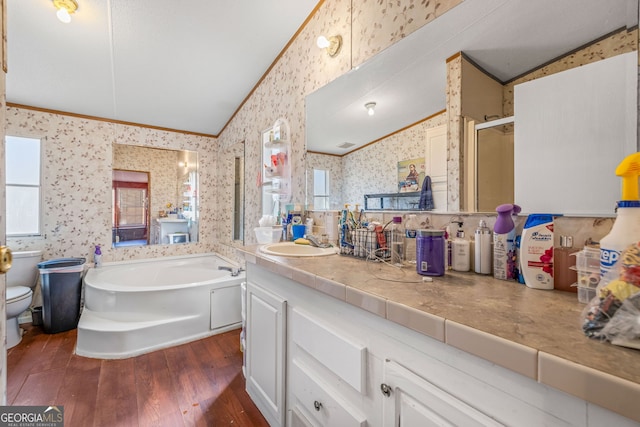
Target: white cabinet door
[
  {"x": 265, "y": 359},
  {"x": 414, "y": 401}
]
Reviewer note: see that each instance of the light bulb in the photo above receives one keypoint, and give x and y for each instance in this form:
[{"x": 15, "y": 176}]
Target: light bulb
[
  {"x": 371, "y": 108},
  {"x": 63, "y": 15},
  {"x": 322, "y": 42}
]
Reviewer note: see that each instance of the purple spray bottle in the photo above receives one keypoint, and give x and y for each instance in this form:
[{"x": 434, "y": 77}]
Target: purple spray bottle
[{"x": 504, "y": 248}]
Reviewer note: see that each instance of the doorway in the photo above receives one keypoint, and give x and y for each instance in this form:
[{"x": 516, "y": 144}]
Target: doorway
[{"x": 130, "y": 219}]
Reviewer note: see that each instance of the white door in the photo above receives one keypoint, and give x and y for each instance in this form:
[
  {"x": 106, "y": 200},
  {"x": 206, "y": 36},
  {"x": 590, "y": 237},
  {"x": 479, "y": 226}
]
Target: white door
[
  {"x": 414, "y": 401},
  {"x": 436, "y": 165},
  {"x": 3, "y": 226},
  {"x": 265, "y": 358}
]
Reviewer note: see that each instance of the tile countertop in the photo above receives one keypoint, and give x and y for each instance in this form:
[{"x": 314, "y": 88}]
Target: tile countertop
[{"x": 534, "y": 332}]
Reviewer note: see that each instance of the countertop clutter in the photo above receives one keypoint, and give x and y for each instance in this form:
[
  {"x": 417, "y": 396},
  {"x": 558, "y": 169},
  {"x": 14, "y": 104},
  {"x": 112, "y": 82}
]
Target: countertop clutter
[{"x": 536, "y": 333}]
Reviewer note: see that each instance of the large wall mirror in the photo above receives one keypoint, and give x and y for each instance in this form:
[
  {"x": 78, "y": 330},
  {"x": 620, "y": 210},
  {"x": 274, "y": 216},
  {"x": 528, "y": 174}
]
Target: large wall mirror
[
  {"x": 154, "y": 195},
  {"x": 408, "y": 81}
]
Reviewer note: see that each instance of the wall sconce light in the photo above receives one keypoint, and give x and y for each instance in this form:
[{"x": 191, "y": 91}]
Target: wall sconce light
[
  {"x": 371, "y": 108},
  {"x": 331, "y": 44},
  {"x": 183, "y": 164},
  {"x": 65, "y": 9}
]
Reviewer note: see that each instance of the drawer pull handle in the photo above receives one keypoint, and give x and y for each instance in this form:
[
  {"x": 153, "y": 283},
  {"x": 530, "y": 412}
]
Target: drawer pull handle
[
  {"x": 317, "y": 405},
  {"x": 385, "y": 389}
]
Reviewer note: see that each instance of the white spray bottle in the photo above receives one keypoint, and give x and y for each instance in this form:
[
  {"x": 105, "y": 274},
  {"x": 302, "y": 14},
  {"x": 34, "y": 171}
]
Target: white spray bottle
[{"x": 626, "y": 228}]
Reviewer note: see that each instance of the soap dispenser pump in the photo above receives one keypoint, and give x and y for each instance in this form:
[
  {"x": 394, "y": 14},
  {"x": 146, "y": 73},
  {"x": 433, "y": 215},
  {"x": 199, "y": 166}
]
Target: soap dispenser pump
[
  {"x": 482, "y": 248},
  {"x": 97, "y": 257},
  {"x": 460, "y": 251}
]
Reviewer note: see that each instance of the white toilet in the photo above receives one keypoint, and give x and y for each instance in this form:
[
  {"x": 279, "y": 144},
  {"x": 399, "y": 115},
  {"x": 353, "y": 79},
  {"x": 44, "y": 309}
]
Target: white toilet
[{"x": 21, "y": 280}]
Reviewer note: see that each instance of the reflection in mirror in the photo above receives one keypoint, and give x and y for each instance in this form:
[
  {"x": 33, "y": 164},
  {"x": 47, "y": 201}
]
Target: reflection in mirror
[
  {"x": 489, "y": 170},
  {"x": 509, "y": 41},
  {"x": 131, "y": 225},
  {"x": 154, "y": 196},
  {"x": 238, "y": 199},
  {"x": 321, "y": 189}
]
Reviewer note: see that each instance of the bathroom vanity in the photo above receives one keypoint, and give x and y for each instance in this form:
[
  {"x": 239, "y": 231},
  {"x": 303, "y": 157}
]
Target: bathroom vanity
[{"x": 338, "y": 341}]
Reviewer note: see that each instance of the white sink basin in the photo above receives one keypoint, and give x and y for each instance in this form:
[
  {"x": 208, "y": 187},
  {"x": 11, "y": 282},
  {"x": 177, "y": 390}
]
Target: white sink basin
[{"x": 295, "y": 250}]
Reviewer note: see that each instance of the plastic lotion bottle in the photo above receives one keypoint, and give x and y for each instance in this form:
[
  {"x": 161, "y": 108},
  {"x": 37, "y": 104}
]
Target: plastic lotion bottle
[
  {"x": 482, "y": 263},
  {"x": 536, "y": 251},
  {"x": 460, "y": 251},
  {"x": 97, "y": 257},
  {"x": 504, "y": 236},
  {"x": 410, "y": 234},
  {"x": 626, "y": 228}
]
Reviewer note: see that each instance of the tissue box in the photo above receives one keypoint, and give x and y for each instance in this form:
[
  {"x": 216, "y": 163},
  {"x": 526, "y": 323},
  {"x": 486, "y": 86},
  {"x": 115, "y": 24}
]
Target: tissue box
[{"x": 266, "y": 235}]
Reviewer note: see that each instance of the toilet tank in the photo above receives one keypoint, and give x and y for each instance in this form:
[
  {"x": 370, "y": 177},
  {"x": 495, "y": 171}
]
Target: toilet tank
[{"x": 24, "y": 269}]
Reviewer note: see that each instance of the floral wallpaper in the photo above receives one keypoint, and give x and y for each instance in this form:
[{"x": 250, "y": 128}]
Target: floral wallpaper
[{"x": 77, "y": 164}]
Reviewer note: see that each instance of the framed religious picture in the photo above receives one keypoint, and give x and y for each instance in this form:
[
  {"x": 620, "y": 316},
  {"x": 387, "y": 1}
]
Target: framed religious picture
[{"x": 410, "y": 175}]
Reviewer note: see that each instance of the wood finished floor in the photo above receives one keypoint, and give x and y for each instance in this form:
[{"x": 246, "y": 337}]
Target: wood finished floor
[{"x": 195, "y": 384}]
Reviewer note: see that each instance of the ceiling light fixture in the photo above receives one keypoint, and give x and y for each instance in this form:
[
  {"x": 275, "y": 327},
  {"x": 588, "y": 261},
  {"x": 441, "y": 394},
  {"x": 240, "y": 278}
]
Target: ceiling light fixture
[
  {"x": 371, "y": 108},
  {"x": 331, "y": 44},
  {"x": 65, "y": 9}
]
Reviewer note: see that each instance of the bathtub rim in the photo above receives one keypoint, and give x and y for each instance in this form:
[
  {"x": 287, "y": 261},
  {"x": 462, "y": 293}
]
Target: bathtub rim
[
  {"x": 171, "y": 258},
  {"x": 102, "y": 287}
]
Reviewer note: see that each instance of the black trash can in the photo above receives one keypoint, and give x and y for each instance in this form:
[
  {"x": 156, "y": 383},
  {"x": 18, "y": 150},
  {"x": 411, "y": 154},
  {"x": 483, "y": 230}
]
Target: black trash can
[{"x": 61, "y": 281}]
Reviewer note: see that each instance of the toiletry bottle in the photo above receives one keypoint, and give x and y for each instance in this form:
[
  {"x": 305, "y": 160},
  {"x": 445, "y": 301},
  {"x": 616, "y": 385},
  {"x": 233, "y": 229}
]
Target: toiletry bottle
[
  {"x": 563, "y": 276},
  {"x": 397, "y": 241},
  {"x": 626, "y": 228},
  {"x": 97, "y": 257},
  {"x": 460, "y": 251},
  {"x": 411, "y": 230},
  {"x": 430, "y": 250},
  {"x": 482, "y": 249},
  {"x": 536, "y": 251},
  {"x": 504, "y": 235}
]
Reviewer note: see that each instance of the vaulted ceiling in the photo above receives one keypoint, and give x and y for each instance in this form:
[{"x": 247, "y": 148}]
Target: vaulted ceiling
[{"x": 178, "y": 65}]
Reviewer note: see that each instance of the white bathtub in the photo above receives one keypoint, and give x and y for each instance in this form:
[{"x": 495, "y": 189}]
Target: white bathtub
[{"x": 136, "y": 307}]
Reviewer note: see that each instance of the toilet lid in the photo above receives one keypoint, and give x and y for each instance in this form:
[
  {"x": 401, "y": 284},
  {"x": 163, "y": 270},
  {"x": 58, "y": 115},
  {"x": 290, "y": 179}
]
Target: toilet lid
[{"x": 17, "y": 292}]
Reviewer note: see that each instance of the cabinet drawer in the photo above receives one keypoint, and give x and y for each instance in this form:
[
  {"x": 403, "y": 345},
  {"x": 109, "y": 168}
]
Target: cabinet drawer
[
  {"x": 320, "y": 402},
  {"x": 342, "y": 356}
]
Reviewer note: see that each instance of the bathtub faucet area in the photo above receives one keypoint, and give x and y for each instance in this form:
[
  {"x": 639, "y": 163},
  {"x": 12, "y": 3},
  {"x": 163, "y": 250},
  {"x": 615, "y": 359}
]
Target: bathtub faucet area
[{"x": 235, "y": 271}]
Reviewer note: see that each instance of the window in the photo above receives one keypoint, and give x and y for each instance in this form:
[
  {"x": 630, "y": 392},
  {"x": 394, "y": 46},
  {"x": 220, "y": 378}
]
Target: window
[
  {"x": 23, "y": 184},
  {"x": 320, "y": 189}
]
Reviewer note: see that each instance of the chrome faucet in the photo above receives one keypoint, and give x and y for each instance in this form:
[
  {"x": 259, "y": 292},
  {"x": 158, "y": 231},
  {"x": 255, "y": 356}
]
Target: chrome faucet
[{"x": 235, "y": 271}]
